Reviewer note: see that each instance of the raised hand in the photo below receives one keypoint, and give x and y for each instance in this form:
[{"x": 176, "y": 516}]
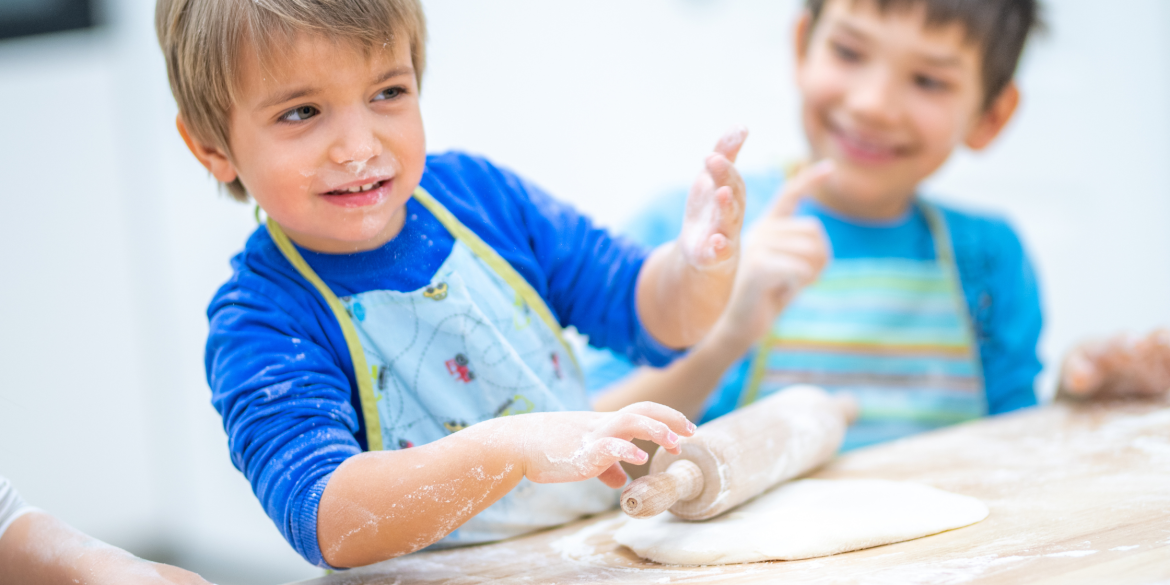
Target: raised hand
[
  {"x": 782, "y": 254},
  {"x": 1121, "y": 366},
  {"x": 714, "y": 212},
  {"x": 559, "y": 447},
  {"x": 684, "y": 286}
]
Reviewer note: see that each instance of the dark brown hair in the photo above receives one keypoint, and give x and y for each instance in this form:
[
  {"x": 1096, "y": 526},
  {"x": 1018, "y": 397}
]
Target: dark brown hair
[{"x": 1000, "y": 27}]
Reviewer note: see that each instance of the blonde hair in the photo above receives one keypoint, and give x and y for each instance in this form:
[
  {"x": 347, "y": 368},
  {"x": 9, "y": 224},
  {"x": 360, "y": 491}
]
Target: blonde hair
[{"x": 201, "y": 41}]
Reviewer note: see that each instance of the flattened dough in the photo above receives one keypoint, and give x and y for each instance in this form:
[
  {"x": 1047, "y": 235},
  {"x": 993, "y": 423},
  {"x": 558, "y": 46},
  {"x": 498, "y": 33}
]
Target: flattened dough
[{"x": 804, "y": 519}]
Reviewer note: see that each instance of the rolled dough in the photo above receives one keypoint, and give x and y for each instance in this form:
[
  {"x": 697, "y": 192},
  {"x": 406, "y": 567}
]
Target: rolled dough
[{"x": 804, "y": 519}]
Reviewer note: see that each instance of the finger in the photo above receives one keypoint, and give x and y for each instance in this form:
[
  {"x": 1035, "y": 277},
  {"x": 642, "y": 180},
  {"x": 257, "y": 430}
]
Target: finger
[
  {"x": 791, "y": 272},
  {"x": 805, "y": 182},
  {"x": 723, "y": 173},
  {"x": 781, "y": 226},
  {"x": 731, "y": 141},
  {"x": 1080, "y": 375},
  {"x": 807, "y": 253},
  {"x": 607, "y": 451},
  {"x": 614, "y": 476},
  {"x": 672, "y": 418},
  {"x": 721, "y": 169},
  {"x": 806, "y": 248},
  {"x": 716, "y": 250},
  {"x": 783, "y": 276},
  {"x": 1160, "y": 344},
  {"x": 628, "y": 426},
  {"x": 726, "y": 220},
  {"x": 779, "y": 236},
  {"x": 1149, "y": 364},
  {"x": 771, "y": 230}
]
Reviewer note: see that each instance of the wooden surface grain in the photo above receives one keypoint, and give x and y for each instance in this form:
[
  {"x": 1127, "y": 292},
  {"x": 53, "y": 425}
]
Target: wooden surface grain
[{"x": 1078, "y": 494}]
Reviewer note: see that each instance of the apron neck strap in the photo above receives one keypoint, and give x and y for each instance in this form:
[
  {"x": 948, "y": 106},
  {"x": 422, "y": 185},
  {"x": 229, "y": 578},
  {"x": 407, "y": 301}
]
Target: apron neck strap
[
  {"x": 497, "y": 263},
  {"x": 944, "y": 251},
  {"x": 357, "y": 355},
  {"x": 361, "y": 370}
]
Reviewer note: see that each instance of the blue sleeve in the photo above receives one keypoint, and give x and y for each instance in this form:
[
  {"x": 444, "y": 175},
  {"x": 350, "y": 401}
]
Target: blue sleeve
[
  {"x": 656, "y": 225},
  {"x": 284, "y": 398},
  {"x": 1003, "y": 298},
  {"x": 593, "y": 277},
  {"x": 587, "y": 276}
]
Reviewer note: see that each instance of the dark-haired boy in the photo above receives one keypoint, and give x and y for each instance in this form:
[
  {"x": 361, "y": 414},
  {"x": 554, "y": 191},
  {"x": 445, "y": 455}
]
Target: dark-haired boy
[{"x": 929, "y": 314}]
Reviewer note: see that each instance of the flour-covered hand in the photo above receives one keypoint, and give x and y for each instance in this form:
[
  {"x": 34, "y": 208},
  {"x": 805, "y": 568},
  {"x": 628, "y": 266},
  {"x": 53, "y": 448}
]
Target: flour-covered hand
[
  {"x": 714, "y": 209},
  {"x": 559, "y": 447},
  {"x": 1121, "y": 366}
]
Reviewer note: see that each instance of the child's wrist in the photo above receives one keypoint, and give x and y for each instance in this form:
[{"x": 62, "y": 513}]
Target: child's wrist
[
  {"x": 503, "y": 443},
  {"x": 720, "y": 269},
  {"x": 726, "y": 342}
]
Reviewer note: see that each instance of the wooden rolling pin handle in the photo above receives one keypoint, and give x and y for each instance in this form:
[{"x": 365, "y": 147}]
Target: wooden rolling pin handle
[{"x": 654, "y": 494}]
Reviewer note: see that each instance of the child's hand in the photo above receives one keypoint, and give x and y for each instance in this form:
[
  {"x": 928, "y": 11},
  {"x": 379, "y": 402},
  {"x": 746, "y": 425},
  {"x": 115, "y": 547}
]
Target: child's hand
[
  {"x": 714, "y": 212},
  {"x": 1121, "y": 366},
  {"x": 782, "y": 254},
  {"x": 561, "y": 447}
]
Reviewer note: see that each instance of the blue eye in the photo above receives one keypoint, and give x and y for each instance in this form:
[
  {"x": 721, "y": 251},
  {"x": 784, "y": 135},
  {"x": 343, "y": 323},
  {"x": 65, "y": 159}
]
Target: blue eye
[
  {"x": 390, "y": 93},
  {"x": 299, "y": 114}
]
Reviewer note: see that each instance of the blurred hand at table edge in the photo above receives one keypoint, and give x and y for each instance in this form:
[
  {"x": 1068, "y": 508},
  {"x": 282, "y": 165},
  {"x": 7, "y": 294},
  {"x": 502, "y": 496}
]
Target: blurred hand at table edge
[
  {"x": 1121, "y": 366},
  {"x": 38, "y": 548}
]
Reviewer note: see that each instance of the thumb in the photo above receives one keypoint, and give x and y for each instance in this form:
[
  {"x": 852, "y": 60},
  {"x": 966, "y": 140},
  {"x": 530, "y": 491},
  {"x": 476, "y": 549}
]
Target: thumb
[
  {"x": 801, "y": 184},
  {"x": 731, "y": 142},
  {"x": 1082, "y": 375},
  {"x": 614, "y": 476}
]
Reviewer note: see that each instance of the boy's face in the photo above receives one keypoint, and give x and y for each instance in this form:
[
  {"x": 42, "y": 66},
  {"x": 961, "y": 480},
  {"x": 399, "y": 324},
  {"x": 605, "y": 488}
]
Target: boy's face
[
  {"x": 888, "y": 99},
  {"x": 329, "y": 142}
]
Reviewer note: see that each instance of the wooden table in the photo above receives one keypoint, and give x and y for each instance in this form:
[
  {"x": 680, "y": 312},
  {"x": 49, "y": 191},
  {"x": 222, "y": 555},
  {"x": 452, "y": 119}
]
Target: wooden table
[{"x": 1078, "y": 494}]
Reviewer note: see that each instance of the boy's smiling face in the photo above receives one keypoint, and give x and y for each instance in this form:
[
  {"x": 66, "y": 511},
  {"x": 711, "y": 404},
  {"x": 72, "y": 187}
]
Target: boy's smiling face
[
  {"x": 888, "y": 98},
  {"x": 328, "y": 140}
]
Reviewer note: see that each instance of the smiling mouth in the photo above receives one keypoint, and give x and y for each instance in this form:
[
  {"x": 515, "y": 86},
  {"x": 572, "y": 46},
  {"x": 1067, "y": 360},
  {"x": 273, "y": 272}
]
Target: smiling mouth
[
  {"x": 867, "y": 150},
  {"x": 359, "y": 188}
]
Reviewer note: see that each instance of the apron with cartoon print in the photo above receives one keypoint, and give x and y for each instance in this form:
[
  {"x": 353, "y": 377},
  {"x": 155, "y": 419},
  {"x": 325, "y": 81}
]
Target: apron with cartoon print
[
  {"x": 893, "y": 332},
  {"x": 475, "y": 344}
]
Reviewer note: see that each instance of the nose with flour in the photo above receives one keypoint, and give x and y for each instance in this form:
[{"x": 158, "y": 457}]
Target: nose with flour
[{"x": 355, "y": 143}]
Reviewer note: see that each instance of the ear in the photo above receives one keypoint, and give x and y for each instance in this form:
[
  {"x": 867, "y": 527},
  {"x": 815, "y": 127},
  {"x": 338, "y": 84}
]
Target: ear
[
  {"x": 993, "y": 120},
  {"x": 801, "y": 36},
  {"x": 212, "y": 158}
]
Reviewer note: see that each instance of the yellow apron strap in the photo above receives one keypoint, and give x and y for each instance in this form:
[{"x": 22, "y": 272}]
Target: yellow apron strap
[
  {"x": 759, "y": 365},
  {"x": 496, "y": 263},
  {"x": 945, "y": 252},
  {"x": 361, "y": 370}
]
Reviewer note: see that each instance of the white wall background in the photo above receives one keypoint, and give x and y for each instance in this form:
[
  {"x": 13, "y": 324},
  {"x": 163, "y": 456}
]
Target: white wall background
[{"x": 114, "y": 239}]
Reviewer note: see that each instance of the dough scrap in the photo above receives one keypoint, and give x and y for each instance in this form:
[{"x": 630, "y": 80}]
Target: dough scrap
[{"x": 804, "y": 519}]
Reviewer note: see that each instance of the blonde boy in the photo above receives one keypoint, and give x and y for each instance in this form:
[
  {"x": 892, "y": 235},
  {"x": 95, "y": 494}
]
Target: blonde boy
[{"x": 410, "y": 305}]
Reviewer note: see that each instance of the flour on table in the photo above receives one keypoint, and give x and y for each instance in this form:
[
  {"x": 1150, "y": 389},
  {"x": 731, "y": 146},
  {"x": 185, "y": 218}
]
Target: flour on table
[{"x": 804, "y": 519}]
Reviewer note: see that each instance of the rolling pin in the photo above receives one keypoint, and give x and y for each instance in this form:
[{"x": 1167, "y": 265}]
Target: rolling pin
[{"x": 740, "y": 455}]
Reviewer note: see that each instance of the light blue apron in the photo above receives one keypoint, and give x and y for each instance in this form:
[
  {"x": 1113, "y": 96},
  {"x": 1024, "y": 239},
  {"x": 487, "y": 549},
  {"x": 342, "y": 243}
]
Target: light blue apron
[
  {"x": 475, "y": 344},
  {"x": 893, "y": 332}
]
